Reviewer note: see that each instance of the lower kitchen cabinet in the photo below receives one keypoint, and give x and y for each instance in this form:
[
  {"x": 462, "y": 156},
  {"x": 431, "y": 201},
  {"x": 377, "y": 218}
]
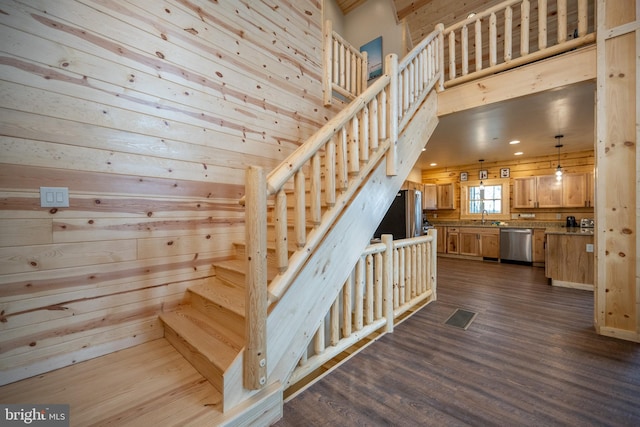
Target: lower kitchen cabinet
[
  {"x": 490, "y": 244},
  {"x": 442, "y": 239},
  {"x": 452, "y": 240},
  {"x": 538, "y": 249},
  {"x": 570, "y": 260},
  {"x": 469, "y": 242},
  {"x": 480, "y": 242}
]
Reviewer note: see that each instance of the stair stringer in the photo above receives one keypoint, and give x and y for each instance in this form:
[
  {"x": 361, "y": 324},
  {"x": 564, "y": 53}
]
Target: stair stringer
[{"x": 332, "y": 261}]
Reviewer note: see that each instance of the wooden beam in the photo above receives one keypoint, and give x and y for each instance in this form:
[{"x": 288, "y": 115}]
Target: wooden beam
[{"x": 573, "y": 67}]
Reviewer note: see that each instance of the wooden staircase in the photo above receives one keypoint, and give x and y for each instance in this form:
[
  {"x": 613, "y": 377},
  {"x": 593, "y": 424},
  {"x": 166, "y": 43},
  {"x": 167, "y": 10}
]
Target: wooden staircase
[{"x": 209, "y": 327}]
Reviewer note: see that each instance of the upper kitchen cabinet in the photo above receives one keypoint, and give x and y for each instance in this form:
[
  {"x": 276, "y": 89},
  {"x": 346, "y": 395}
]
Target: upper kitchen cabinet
[
  {"x": 575, "y": 190},
  {"x": 445, "y": 196},
  {"x": 438, "y": 196},
  {"x": 430, "y": 197},
  {"x": 547, "y": 192},
  {"x": 524, "y": 192}
]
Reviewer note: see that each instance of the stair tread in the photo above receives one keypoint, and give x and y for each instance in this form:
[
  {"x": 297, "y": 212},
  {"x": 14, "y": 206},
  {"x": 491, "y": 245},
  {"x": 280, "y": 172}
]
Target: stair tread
[
  {"x": 215, "y": 343},
  {"x": 222, "y": 293},
  {"x": 239, "y": 265}
]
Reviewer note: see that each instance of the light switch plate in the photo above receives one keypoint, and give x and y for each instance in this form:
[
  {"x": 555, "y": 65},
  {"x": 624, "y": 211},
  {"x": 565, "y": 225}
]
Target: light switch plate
[{"x": 54, "y": 197}]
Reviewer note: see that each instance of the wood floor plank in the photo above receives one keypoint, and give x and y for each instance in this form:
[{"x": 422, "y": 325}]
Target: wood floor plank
[
  {"x": 150, "y": 382},
  {"x": 530, "y": 357}
]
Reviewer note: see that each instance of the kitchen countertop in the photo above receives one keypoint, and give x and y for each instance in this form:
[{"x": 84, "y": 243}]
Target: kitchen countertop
[
  {"x": 549, "y": 227},
  {"x": 570, "y": 231},
  {"x": 489, "y": 224}
]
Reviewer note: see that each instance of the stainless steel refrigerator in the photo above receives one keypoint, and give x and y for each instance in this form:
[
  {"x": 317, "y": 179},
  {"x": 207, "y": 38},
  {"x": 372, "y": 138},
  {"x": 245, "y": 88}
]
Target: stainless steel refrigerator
[{"x": 404, "y": 217}]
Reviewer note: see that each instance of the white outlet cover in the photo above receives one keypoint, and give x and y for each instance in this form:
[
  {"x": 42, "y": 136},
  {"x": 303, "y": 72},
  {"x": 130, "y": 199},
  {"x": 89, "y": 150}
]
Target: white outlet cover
[
  {"x": 589, "y": 247},
  {"x": 54, "y": 197}
]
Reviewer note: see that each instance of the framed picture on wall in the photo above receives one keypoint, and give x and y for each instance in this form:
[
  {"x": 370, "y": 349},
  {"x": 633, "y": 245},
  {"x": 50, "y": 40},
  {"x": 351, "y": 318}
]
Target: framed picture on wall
[
  {"x": 484, "y": 174},
  {"x": 374, "y": 57},
  {"x": 504, "y": 173},
  {"x": 464, "y": 176}
]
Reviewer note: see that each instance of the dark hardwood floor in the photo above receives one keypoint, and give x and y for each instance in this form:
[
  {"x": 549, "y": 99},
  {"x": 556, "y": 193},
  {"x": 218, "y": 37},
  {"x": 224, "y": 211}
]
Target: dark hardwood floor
[{"x": 530, "y": 357}]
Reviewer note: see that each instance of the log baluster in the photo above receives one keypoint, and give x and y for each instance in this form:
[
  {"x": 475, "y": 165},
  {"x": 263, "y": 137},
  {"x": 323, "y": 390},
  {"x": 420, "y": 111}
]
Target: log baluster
[
  {"x": 300, "y": 209},
  {"x": 282, "y": 250},
  {"x": 542, "y": 24},
  {"x": 525, "y": 10},
  {"x": 508, "y": 33},
  {"x": 562, "y": 21}
]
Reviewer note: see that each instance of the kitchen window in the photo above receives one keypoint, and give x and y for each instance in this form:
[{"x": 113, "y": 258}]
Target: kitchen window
[
  {"x": 488, "y": 198},
  {"x": 494, "y": 198}
]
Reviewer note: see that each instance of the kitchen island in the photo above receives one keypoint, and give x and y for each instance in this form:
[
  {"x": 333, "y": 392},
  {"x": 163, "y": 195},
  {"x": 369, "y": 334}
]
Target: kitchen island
[{"x": 569, "y": 257}]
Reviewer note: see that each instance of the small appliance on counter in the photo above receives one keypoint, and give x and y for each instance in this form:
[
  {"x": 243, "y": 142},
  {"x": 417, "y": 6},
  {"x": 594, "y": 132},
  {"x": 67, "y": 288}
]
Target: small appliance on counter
[
  {"x": 571, "y": 221},
  {"x": 587, "y": 223},
  {"x": 426, "y": 225}
]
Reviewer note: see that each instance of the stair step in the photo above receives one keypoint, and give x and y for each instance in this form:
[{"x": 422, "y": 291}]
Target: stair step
[
  {"x": 234, "y": 271},
  {"x": 210, "y": 348},
  {"x": 222, "y": 302},
  {"x": 271, "y": 251}
]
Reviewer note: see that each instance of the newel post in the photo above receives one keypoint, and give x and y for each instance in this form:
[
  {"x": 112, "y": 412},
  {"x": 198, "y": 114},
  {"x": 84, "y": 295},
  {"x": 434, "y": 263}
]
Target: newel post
[
  {"x": 327, "y": 77},
  {"x": 387, "y": 281},
  {"x": 433, "y": 280},
  {"x": 255, "y": 356},
  {"x": 391, "y": 69}
]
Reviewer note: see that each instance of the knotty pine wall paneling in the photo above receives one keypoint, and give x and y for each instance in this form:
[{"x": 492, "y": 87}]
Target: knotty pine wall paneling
[{"x": 149, "y": 112}]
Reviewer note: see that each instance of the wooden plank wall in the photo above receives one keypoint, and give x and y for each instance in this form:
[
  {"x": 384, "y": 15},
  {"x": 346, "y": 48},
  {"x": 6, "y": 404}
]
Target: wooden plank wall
[
  {"x": 148, "y": 111},
  {"x": 618, "y": 160},
  {"x": 576, "y": 162}
]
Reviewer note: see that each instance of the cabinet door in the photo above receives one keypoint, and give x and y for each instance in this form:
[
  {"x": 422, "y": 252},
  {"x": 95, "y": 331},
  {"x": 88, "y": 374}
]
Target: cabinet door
[
  {"x": 445, "y": 196},
  {"x": 429, "y": 197},
  {"x": 469, "y": 243},
  {"x": 442, "y": 239},
  {"x": 538, "y": 246},
  {"x": 490, "y": 245},
  {"x": 524, "y": 192},
  {"x": 574, "y": 190},
  {"x": 548, "y": 192},
  {"x": 452, "y": 242}
]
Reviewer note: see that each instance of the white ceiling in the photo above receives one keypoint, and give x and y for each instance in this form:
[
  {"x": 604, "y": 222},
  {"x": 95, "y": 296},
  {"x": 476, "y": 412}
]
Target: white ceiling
[{"x": 484, "y": 132}]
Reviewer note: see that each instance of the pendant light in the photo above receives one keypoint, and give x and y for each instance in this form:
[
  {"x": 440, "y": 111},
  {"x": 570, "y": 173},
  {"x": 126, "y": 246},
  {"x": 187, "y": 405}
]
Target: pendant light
[
  {"x": 558, "y": 168},
  {"x": 480, "y": 175}
]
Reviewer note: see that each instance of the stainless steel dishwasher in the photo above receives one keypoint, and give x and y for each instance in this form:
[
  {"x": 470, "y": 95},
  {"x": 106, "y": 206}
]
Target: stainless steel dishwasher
[{"x": 515, "y": 245}]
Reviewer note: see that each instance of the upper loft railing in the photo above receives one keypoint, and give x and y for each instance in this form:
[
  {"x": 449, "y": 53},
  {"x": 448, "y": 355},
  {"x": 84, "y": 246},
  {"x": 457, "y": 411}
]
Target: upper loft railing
[
  {"x": 347, "y": 70},
  {"x": 514, "y": 33}
]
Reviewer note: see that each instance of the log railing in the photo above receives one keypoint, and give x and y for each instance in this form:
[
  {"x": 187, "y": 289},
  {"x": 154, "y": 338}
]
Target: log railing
[
  {"x": 345, "y": 67},
  {"x": 514, "y": 33},
  {"x": 335, "y": 160},
  {"x": 389, "y": 279}
]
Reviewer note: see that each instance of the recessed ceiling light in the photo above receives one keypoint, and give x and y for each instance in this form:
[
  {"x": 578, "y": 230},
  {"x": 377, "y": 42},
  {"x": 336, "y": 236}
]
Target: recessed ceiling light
[
  {"x": 519, "y": 153},
  {"x": 433, "y": 164},
  {"x": 515, "y": 141},
  {"x": 424, "y": 149}
]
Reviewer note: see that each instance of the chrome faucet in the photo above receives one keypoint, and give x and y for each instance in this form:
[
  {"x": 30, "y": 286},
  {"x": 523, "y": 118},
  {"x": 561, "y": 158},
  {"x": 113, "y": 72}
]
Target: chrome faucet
[{"x": 484, "y": 211}]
